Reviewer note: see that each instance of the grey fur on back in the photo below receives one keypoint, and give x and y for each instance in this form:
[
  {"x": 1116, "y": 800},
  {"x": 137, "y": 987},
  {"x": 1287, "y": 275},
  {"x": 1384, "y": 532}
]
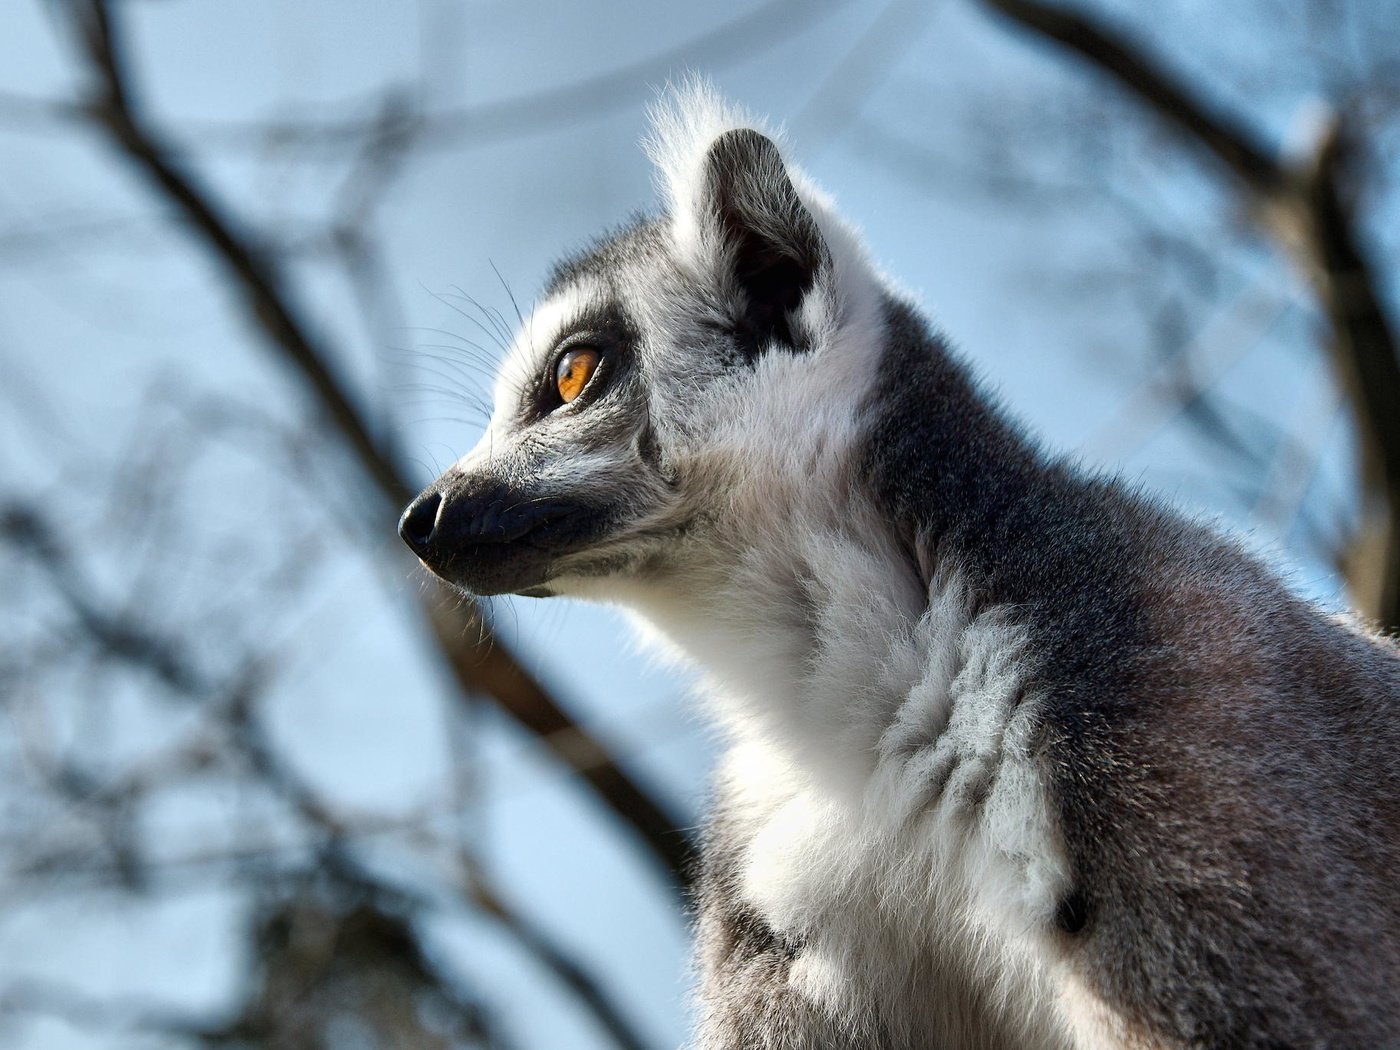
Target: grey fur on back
[
  {"x": 1018, "y": 757},
  {"x": 1221, "y": 754}
]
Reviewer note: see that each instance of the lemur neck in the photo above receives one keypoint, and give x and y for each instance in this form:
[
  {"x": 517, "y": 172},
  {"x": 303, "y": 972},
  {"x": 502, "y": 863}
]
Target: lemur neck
[{"x": 814, "y": 628}]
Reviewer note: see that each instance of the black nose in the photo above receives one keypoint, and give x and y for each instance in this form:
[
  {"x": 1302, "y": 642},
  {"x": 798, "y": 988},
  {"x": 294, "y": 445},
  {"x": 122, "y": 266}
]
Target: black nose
[{"x": 419, "y": 521}]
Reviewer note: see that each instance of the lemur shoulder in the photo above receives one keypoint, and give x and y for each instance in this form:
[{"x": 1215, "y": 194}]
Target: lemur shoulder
[{"x": 1017, "y": 756}]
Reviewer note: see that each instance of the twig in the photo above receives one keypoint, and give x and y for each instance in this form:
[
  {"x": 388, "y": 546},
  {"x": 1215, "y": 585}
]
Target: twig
[
  {"x": 164, "y": 657},
  {"x": 45, "y": 997},
  {"x": 1304, "y": 208},
  {"x": 480, "y": 662}
]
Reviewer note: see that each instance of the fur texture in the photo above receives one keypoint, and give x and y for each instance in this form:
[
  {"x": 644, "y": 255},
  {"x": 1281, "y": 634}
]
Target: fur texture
[{"x": 1018, "y": 757}]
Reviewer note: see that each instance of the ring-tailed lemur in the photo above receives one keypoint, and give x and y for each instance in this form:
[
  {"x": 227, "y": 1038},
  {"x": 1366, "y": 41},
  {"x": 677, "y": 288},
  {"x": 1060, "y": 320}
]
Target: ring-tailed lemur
[{"x": 1018, "y": 757}]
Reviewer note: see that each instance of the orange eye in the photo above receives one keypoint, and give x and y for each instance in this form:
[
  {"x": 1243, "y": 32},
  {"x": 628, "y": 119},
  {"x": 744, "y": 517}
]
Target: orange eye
[{"x": 575, "y": 369}]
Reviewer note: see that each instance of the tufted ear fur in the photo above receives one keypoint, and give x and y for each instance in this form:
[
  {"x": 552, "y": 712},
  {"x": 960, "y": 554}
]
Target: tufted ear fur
[
  {"x": 778, "y": 259},
  {"x": 769, "y": 245},
  {"x": 741, "y": 218}
]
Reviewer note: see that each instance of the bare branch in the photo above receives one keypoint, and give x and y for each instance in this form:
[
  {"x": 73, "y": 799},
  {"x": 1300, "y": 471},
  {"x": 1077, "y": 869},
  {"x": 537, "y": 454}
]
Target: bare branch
[
  {"x": 1306, "y": 210},
  {"x": 741, "y": 38},
  {"x": 255, "y": 274},
  {"x": 565, "y": 968},
  {"x": 485, "y": 124},
  {"x": 26, "y": 529},
  {"x": 480, "y": 662},
  {"x": 77, "y": 1008},
  {"x": 1228, "y": 140},
  {"x": 1164, "y": 392}
]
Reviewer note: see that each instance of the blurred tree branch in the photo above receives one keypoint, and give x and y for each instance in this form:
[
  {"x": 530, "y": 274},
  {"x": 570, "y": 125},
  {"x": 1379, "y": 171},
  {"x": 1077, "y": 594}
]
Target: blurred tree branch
[
  {"x": 26, "y": 529},
  {"x": 477, "y": 659},
  {"x": 492, "y": 122},
  {"x": 27, "y": 998},
  {"x": 1305, "y": 207}
]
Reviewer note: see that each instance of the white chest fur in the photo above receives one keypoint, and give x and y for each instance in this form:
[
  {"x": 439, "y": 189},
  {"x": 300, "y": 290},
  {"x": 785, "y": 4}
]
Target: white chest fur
[{"x": 882, "y": 779}]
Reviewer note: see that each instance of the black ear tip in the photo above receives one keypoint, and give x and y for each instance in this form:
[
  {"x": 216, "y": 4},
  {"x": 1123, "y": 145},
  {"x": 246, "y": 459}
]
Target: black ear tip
[
  {"x": 745, "y": 138},
  {"x": 744, "y": 147}
]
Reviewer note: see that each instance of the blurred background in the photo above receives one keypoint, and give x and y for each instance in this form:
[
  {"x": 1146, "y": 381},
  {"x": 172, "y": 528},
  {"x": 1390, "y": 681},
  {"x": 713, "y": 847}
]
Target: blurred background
[{"x": 261, "y": 784}]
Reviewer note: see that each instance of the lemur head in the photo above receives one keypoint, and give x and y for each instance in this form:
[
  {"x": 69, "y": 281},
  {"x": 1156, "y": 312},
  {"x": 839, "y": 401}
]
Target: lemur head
[{"x": 680, "y": 371}]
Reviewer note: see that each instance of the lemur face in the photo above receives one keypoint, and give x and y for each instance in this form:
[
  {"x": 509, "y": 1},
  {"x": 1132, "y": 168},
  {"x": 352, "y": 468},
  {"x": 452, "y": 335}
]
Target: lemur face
[
  {"x": 621, "y": 409},
  {"x": 568, "y": 478}
]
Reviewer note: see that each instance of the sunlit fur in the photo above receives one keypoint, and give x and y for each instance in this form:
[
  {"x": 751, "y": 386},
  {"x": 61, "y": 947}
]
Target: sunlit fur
[{"x": 891, "y": 859}]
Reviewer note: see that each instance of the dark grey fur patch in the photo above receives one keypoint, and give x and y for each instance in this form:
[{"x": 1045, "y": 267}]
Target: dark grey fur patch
[{"x": 1224, "y": 760}]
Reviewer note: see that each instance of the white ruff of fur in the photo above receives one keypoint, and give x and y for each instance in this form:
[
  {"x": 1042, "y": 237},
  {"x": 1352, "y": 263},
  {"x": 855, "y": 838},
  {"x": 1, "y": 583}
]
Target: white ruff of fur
[
  {"x": 880, "y": 741},
  {"x": 880, "y": 760}
]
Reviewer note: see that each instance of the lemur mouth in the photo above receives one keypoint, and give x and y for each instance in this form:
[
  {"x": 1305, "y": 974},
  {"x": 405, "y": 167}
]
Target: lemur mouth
[{"x": 490, "y": 539}]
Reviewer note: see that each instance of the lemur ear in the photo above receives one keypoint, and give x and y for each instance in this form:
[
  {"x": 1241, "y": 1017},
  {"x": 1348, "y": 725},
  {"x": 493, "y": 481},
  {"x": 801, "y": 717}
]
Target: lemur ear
[{"x": 771, "y": 244}]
